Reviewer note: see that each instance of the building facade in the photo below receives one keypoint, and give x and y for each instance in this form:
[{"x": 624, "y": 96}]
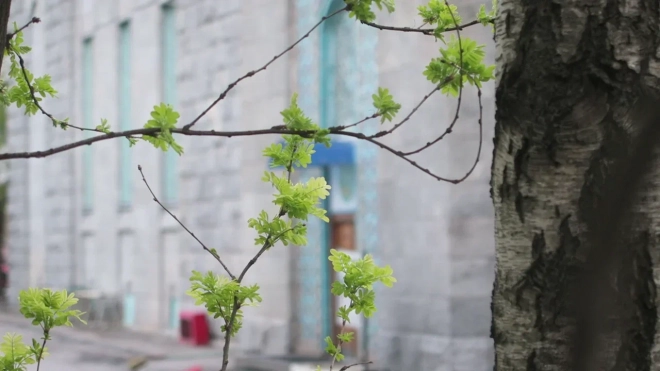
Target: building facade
[{"x": 85, "y": 219}]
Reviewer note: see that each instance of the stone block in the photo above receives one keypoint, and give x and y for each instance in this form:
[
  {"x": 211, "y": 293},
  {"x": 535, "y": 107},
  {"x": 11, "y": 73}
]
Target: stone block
[
  {"x": 470, "y": 316},
  {"x": 472, "y": 237},
  {"x": 472, "y": 354},
  {"x": 472, "y": 277}
]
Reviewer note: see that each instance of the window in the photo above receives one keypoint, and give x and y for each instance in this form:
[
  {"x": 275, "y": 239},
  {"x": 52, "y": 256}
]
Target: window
[
  {"x": 125, "y": 169},
  {"x": 169, "y": 170},
  {"x": 338, "y": 69},
  {"x": 88, "y": 122},
  {"x": 339, "y": 81}
]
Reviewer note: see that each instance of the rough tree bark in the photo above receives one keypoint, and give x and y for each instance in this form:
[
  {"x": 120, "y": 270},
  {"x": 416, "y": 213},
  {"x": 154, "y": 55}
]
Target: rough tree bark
[
  {"x": 5, "y": 9},
  {"x": 571, "y": 76}
]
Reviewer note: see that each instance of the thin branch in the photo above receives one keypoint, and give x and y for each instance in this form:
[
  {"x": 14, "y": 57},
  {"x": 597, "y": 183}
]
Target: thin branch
[
  {"x": 209, "y": 133},
  {"x": 398, "y": 125},
  {"x": 270, "y": 242},
  {"x": 41, "y": 351},
  {"x": 228, "y": 327},
  {"x": 338, "y": 130},
  {"x": 449, "y": 129},
  {"x": 215, "y": 255},
  {"x": 355, "y": 364},
  {"x": 481, "y": 140},
  {"x": 254, "y": 72},
  {"x": 263, "y": 249},
  {"x": 33, "y": 95},
  {"x": 10, "y": 35},
  {"x": 359, "y": 122},
  {"x": 425, "y": 31},
  {"x": 339, "y": 343}
]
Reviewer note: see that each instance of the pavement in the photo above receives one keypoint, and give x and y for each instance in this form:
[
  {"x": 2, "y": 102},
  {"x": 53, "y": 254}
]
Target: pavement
[{"x": 79, "y": 349}]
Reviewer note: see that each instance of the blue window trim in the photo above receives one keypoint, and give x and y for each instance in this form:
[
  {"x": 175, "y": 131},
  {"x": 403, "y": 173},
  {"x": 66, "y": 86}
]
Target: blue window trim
[
  {"x": 340, "y": 153},
  {"x": 169, "y": 169},
  {"x": 88, "y": 122},
  {"x": 125, "y": 158}
]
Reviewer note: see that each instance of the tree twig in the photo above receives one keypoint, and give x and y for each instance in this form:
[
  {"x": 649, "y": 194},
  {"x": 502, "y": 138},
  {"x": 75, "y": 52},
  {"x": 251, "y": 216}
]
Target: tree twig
[
  {"x": 33, "y": 95},
  {"x": 10, "y": 35},
  {"x": 373, "y": 116},
  {"x": 41, "y": 351},
  {"x": 268, "y": 243},
  {"x": 355, "y": 364},
  {"x": 424, "y": 31},
  {"x": 254, "y": 72},
  {"x": 215, "y": 254},
  {"x": 398, "y": 125}
]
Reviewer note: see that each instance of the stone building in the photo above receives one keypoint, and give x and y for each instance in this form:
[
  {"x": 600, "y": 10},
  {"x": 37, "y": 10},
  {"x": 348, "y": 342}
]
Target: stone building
[{"x": 84, "y": 218}]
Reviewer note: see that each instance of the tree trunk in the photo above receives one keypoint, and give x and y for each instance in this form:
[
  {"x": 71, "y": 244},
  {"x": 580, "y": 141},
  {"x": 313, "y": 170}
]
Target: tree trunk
[
  {"x": 5, "y": 9},
  {"x": 571, "y": 75}
]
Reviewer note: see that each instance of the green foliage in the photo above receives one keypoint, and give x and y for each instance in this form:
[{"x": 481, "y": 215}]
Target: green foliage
[
  {"x": 385, "y": 105},
  {"x": 357, "y": 286},
  {"x": 103, "y": 127},
  {"x": 20, "y": 93},
  {"x": 296, "y": 120},
  {"x": 359, "y": 276},
  {"x": 16, "y": 355},
  {"x": 48, "y": 308},
  {"x": 486, "y": 18},
  {"x": 361, "y": 9},
  {"x": 163, "y": 117},
  {"x": 447, "y": 69},
  {"x": 271, "y": 231},
  {"x": 332, "y": 349},
  {"x": 299, "y": 200},
  {"x": 437, "y": 13},
  {"x": 222, "y": 297},
  {"x": 295, "y": 153}
]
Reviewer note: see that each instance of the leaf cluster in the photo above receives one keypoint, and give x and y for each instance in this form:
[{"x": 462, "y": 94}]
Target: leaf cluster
[
  {"x": 385, "y": 105},
  {"x": 441, "y": 15},
  {"x": 16, "y": 355},
  {"x": 20, "y": 94},
  {"x": 223, "y": 298},
  {"x": 461, "y": 61},
  {"x": 362, "y": 9},
  {"x": 163, "y": 117},
  {"x": 48, "y": 308},
  {"x": 359, "y": 276}
]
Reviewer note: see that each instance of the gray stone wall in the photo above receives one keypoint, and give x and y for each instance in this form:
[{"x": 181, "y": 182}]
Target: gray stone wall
[{"x": 437, "y": 236}]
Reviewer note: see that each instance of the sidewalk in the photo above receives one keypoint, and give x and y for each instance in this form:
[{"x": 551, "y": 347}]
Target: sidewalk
[{"x": 163, "y": 353}]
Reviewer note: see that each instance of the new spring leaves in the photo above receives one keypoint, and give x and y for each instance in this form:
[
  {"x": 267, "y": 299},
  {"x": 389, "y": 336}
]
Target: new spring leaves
[
  {"x": 460, "y": 61},
  {"x": 47, "y": 309}
]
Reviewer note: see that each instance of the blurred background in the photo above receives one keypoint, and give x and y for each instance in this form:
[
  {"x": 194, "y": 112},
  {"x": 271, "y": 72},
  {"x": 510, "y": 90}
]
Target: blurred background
[{"x": 83, "y": 220}]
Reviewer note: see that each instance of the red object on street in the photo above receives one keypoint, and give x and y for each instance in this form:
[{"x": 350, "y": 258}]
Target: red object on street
[
  {"x": 195, "y": 368},
  {"x": 193, "y": 329}
]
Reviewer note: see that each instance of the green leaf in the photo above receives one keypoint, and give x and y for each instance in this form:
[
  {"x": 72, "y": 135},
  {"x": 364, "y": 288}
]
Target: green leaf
[
  {"x": 104, "y": 127},
  {"x": 346, "y": 337},
  {"x": 437, "y": 13},
  {"x": 219, "y": 294},
  {"x": 447, "y": 71},
  {"x": 165, "y": 118},
  {"x": 385, "y": 105}
]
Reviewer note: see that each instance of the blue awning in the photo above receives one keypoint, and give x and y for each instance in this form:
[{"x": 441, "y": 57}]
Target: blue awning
[{"x": 340, "y": 153}]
